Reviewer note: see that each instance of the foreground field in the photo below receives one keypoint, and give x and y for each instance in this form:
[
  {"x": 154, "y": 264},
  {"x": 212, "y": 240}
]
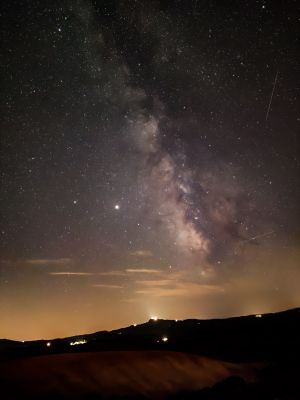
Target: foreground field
[
  {"x": 249, "y": 357},
  {"x": 150, "y": 374}
]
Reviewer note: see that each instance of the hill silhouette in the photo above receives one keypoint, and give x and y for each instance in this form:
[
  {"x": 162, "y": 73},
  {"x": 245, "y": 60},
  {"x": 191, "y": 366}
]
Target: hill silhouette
[{"x": 256, "y": 355}]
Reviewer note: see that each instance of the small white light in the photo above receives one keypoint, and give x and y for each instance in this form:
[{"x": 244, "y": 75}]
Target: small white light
[
  {"x": 78, "y": 342},
  {"x": 164, "y": 339},
  {"x": 117, "y": 207},
  {"x": 258, "y": 315},
  {"x": 48, "y": 344},
  {"x": 154, "y": 318}
]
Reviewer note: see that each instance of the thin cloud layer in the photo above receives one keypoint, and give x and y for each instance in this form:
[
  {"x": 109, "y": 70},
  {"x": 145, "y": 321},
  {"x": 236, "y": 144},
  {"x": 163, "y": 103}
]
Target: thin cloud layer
[
  {"x": 143, "y": 271},
  {"x": 107, "y": 286},
  {"x": 48, "y": 261},
  {"x": 70, "y": 273},
  {"x": 141, "y": 253}
]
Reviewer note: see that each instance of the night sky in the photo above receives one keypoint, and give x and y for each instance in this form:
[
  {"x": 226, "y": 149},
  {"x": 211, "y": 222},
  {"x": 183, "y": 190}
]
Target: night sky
[{"x": 149, "y": 162}]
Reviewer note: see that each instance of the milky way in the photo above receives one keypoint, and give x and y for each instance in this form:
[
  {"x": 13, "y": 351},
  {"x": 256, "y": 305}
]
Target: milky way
[{"x": 145, "y": 168}]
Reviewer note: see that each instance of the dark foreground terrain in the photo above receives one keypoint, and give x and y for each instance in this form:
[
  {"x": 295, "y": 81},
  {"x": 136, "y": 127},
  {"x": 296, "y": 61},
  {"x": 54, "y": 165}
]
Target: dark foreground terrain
[{"x": 252, "y": 357}]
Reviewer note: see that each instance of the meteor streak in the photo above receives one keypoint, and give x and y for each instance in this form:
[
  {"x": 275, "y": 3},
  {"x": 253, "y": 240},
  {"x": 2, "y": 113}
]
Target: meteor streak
[{"x": 271, "y": 98}]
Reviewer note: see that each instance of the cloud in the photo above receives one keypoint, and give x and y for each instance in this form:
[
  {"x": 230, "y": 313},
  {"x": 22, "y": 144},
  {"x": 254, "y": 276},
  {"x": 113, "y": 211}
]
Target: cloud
[
  {"x": 143, "y": 270},
  {"x": 48, "y": 261},
  {"x": 155, "y": 283},
  {"x": 180, "y": 283},
  {"x": 112, "y": 273},
  {"x": 107, "y": 286},
  {"x": 141, "y": 253},
  {"x": 68, "y": 273},
  {"x": 131, "y": 300},
  {"x": 173, "y": 289}
]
